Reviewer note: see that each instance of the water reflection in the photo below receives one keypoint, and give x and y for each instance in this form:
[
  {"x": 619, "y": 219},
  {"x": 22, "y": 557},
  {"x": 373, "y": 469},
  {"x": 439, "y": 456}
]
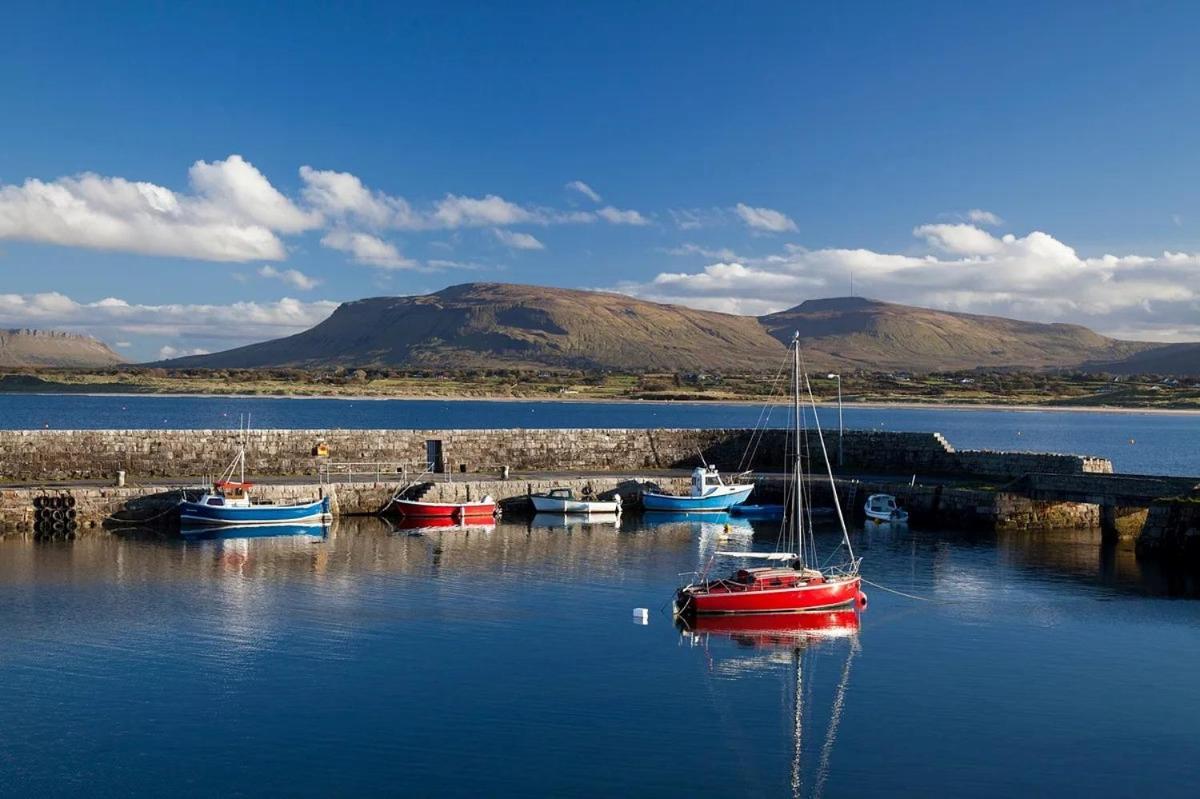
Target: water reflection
[
  {"x": 950, "y": 563},
  {"x": 233, "y": 531},
  {"x": 787, "y": 645}
]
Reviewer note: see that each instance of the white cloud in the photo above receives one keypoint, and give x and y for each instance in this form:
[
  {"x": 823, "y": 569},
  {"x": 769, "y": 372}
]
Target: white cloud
[
  {"x": 696, "y": 218},
  {"x": 1034, "y": 277},
  {"x": 518, "y": 241},
  {"x": 238, "y": 321},
  {"x": 367, "y": 249},
  {"x": 167, "y": 352},
  {"x": 959, "y": 239},
  {"x": 766, "y": 219},
  {"x": 978, "y": 216},
  {"x": 235, "y": 186},
  {"x": 720, "y": 253},
  {"x": 454, "y": 211},
  {"x": 233, "y": 215},
  {"x": 584, "y": 189},
  {"x": 124, "y": 344},
  {"x": 342, "y": 195},
  {"x": 292, "y": 277},
  {"x": 618, "y": 217}
]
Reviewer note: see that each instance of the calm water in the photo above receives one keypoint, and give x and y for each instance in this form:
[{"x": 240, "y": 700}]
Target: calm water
[
  {"x": 1136, "y": 442},
  {"x": 506, "y": 663}
]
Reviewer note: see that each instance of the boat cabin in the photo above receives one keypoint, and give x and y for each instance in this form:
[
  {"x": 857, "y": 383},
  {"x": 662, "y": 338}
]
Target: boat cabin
[
  {"x": 774, "y": 577},
  {"x": 228, "y": 493},
  {"x": 561, "y": 493},
  {"x": 705, "y": 480},
  {"x": 882, "y": 503}
]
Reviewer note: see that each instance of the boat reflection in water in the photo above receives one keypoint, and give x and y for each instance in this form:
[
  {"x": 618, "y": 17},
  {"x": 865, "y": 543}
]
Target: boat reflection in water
[
  {"x": 234, "y": 531},
  {"x": 442, "y": 524},
  {"x": 788, "y": 642},
  {"x": 579, "y": 522}
]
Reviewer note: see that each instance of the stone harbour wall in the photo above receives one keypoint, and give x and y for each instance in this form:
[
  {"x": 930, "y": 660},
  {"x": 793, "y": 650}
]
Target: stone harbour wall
[
  {"x": 66, "y": 455},
  {"x": 1172, "y": 528}
]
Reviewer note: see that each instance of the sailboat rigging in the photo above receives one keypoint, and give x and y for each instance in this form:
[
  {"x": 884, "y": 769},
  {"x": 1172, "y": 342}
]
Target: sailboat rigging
[{"x": 797, "y": 581}]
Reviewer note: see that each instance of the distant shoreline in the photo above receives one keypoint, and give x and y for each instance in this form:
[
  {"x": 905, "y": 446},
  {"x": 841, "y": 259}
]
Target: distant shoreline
[{"x": 930, "y": 406}]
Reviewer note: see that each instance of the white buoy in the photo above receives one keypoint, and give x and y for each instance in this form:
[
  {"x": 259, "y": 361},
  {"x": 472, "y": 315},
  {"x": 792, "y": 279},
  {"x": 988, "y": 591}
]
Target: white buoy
[{"x": 641, "y": 615}]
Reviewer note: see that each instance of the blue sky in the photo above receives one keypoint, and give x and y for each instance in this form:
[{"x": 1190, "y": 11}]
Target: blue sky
[{"x": 969, "y": 156}]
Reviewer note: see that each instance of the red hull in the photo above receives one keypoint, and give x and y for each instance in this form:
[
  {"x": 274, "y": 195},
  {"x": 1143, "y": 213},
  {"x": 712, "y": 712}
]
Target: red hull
[
  {"x": 724, "y": 596},
  {"x": 438, "y": 510},
  {"x": 782, "y": 629}
]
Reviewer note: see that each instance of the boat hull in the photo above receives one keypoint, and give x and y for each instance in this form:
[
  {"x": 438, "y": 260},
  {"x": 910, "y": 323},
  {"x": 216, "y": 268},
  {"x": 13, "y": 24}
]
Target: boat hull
[
  {"x": 895, "y": 517},
  {"x": 444, "y": 510},
  {"x": 711, "y": 503},
  {"x": 702, "y": 599},
  {"x": 544, "y": 504},
  {"x": 195, "y": 513}
]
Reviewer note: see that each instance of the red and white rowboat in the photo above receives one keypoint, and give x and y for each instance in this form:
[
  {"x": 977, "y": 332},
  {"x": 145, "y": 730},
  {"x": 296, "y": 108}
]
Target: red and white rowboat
[{"x": 412, "y": 509}]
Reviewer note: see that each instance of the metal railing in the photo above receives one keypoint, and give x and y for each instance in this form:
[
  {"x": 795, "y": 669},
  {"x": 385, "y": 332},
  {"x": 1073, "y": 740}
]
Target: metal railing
[{"x": 372, "y": 472}]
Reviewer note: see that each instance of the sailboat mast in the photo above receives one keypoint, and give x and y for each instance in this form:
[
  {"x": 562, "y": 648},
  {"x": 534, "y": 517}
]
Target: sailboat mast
[{"x": 798, "y": 528}]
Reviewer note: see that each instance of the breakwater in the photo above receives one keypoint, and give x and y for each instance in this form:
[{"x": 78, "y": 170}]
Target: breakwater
[
  {"x": 54, "y": 455},
  {"x": 154, "y": 505},
  {"x": 936, "y": 481}
]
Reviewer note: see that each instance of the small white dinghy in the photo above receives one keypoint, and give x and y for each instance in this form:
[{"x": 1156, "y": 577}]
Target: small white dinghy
[
  {"x": 562, "y": 500},
  {"x": 882, "y": 509}
]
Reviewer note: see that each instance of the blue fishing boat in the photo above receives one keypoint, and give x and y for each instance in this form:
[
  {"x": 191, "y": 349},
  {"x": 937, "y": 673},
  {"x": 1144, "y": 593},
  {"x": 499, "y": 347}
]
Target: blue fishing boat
[
  {"x": 229, "y": 503},
  {"x": 709, "y": 494}
]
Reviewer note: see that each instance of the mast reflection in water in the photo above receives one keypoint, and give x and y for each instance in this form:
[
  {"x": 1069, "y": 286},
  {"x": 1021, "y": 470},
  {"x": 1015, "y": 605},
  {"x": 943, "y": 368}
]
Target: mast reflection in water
[{"x": 785, "y": 643}]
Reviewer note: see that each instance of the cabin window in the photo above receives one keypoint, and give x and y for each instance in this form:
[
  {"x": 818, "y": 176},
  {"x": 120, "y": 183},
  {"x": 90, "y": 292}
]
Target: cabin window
[{"x": 216, "y": 501}]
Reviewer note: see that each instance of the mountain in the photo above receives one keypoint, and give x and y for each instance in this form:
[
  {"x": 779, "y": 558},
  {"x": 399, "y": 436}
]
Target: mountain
[
  {"x": 53, "y": 348},
  {"x": 1164, "y": 359},
  {"x": 854, "y": 332},
  {"x": 480, "y": 325}
]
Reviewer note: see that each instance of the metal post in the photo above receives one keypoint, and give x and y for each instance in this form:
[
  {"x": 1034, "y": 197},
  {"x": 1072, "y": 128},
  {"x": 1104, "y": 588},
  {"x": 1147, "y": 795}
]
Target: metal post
[
  {"x": 838, "y": 377},
  {"x": 841, "y": 427}
]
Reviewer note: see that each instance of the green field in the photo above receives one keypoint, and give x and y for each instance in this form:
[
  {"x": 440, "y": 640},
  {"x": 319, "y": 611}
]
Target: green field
[{"x": 974, "y": 388}]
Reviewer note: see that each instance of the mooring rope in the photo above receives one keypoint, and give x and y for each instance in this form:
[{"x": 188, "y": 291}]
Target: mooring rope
[{"x": 901, "y": 593}]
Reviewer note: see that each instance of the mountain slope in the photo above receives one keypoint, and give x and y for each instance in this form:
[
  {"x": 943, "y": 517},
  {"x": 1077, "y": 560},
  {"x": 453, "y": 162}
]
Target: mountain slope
[
  {"x": 853, "y": 332},
  {"x": 1162, "y": 359},
  {"x": 53, "y": 348},
  {"x": 479, "y": 325}
]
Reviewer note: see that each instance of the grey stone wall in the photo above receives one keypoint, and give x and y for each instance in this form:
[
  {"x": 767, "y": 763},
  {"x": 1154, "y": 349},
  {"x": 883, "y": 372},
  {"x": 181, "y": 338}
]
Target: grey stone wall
[
  {"x": 1172, "y": 528},
  {"x": 63, "y": 455}
]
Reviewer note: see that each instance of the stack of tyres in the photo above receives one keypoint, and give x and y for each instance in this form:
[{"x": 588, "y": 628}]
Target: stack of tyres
[{"x": 54, "y": 516}]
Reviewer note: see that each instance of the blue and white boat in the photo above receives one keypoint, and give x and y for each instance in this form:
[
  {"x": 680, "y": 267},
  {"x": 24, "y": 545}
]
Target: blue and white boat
[
  {"x": 229, "y": 503},
  {"x": 709, "y": 494}
]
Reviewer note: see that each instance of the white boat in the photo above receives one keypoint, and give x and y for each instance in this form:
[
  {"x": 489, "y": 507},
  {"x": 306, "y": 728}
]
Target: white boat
[
  {"x": 882, "y": 508},
  {"x": 562, "y": 500}
]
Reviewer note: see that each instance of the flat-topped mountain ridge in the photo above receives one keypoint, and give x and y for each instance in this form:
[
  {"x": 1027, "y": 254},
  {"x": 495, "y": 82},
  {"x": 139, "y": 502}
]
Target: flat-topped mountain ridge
[
  {"x": 497, "y": 325},
  {"x": 25, "y": 347}
]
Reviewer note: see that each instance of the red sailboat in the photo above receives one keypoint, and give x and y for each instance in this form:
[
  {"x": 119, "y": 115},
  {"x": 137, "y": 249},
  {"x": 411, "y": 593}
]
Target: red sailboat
[{"x": 791, "y": 582}]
